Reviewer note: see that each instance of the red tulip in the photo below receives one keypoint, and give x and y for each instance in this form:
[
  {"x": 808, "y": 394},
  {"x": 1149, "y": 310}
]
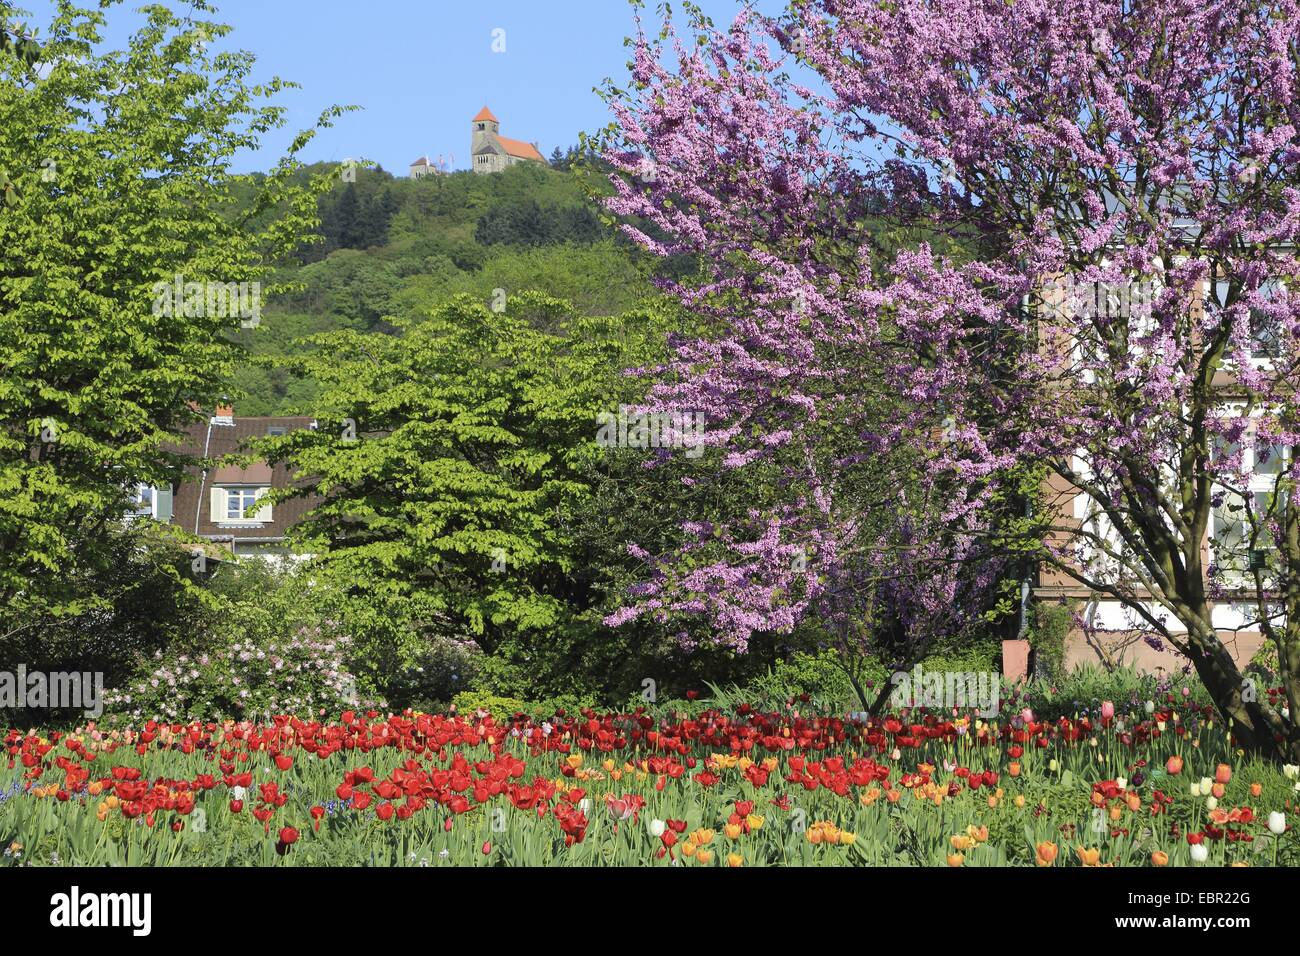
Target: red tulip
[{"x": 288, "y": 836}]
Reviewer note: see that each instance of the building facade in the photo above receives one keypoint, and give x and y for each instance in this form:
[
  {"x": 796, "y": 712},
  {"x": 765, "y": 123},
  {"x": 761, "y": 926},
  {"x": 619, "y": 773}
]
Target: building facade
[
  {"x": 1109, "y": 632},
  {"x": 490, "y": 152},
  {"x": 222, "y": 501}
]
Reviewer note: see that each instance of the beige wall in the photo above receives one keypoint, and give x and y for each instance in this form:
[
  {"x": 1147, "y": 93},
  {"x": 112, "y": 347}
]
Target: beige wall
[{"x": 1130, "y": 649}]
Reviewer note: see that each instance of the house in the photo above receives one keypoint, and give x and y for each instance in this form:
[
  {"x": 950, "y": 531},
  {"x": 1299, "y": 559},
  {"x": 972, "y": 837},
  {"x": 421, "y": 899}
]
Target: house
[
  {"x": 491, "y": 152},
  {"x": 223, "y": 502},
  {"x": 1112, "y": 633},
  {"x": 423, "y": 167}
]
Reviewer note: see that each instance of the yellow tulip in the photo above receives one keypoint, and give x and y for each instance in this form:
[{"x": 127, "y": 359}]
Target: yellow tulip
[{"x": 735, "y": 860}]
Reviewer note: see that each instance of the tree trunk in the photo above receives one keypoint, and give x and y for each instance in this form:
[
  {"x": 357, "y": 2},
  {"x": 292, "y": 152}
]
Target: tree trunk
[{"x": 1256, "y": 727}]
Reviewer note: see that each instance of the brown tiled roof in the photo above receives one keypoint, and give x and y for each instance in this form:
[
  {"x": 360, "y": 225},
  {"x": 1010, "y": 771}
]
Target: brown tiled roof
[{"x": 190, "y": 504}]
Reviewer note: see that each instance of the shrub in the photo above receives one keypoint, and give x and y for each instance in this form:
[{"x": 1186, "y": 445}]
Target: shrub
[
  {"x": 818, "y": 675},
  {"x": 271, "y": 646},
  {"x": 1049, "y": 626}
]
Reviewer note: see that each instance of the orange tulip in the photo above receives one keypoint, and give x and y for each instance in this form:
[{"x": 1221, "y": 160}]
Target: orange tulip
[
  {"x": 1174, "y": 765},
  {"x": 1222, "y": 773},
  {"x": 1014, "y": 769},
  {"x": 1088, "y": 857},
  {"x": 1159, "y": 858},
  {"x": 956, "y": 859},
  {"x": 1046, "y": 853}
]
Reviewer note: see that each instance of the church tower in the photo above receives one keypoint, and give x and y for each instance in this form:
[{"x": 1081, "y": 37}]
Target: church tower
[{"x": 483, "y": 141}]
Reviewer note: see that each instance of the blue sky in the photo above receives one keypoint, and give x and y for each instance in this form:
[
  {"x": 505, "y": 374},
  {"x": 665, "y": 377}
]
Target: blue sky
[{"x": 422, "y": 68}]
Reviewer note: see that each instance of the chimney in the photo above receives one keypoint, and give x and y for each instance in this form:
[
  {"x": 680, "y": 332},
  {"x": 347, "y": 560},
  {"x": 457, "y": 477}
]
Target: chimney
[{"x": 224, "y": 415}]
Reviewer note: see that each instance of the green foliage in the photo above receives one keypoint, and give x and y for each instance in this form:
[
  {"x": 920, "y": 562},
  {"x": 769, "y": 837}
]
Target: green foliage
[
  {"x": 821, "y": 677},
  {"x": 980, "y": 654},
  {"x": 532, "y": 224},
  {"x": 388, "y": 247},
  {"x": 452, "y": 511},
  {"x": 1085, "y": 687},
  {"x": 271, "y": 643},
  {"x": 144, "y": 596},
  {"x": 501, "y": 708},
  {"x": 120, "y": 163},
  {"x": 1049, "y": 626}
]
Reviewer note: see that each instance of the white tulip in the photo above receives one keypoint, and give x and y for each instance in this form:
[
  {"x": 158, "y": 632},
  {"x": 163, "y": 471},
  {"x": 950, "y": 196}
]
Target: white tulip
[
  {"x": 1211, "y": 803},
  {"x": 1121, "y": 782},
  {"x": 1200, "y": 853},
  {"x": 1150, "y": 707},
  {"x": 1291, "y": 771},
  {"x": 1196, "y": 789},
  {"x": 657, "y": 828},
  {"x": 1276, "y": 823},
  {"x": 1206, "y": 785}
]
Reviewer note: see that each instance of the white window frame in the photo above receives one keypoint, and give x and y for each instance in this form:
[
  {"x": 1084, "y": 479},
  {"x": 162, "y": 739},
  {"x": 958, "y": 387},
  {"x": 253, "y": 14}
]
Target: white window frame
[{"x": 1259, "y": 483}]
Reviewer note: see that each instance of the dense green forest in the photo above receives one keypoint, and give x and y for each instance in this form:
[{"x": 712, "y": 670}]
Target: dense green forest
[{"x": 390, "y": 247}]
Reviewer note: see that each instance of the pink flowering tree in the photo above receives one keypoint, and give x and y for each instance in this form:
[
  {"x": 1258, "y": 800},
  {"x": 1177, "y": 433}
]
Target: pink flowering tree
[
  {"x": 846, "y": 521},
  {"x": 1126, "y": 172}
]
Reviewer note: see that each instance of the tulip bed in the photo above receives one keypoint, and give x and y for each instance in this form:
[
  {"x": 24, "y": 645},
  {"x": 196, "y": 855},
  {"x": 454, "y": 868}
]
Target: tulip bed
[{"x": 745, "y": 788}]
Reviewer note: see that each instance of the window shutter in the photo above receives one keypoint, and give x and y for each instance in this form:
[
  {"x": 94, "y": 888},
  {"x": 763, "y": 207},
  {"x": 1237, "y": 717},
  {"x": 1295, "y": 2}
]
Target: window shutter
[
  {"x": 162, "y": 497},
  {"x": 218, "y": 509},
  {"x": 264, "y": 512}
]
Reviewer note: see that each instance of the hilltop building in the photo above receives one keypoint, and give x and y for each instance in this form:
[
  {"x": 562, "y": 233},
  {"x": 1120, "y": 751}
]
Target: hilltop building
[{"x": 491, "y": 152}]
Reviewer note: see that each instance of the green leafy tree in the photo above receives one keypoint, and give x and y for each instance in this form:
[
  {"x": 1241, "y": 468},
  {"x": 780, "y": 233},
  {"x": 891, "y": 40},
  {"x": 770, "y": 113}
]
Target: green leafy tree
[
  {"x": 121, "y": 161},
  {"x": 450, "y": 460}
]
